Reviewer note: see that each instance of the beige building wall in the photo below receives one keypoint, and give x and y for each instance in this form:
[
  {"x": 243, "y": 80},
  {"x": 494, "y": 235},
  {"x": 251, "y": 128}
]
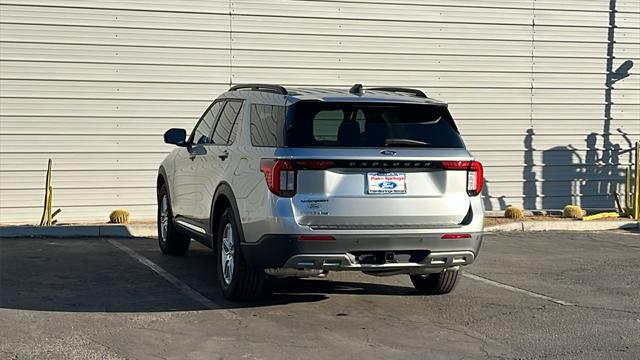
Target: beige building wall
[{"x": 94, "y": 84}]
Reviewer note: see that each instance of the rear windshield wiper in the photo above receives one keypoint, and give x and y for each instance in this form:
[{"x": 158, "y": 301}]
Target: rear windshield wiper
[{"x": 404, "y": 142}]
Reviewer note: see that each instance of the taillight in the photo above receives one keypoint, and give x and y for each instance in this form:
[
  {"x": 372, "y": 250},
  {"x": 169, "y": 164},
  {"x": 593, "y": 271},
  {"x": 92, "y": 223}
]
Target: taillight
[
  {"x": 475, "y": 178},
  {"x": 474, "y": 174},
  {"x": 280, "y": 176}
]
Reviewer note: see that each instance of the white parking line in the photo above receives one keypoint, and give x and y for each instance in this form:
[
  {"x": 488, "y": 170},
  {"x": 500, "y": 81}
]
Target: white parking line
[
  {"x": 184, "y": 288},
  {"x": 517, "y": 290}
]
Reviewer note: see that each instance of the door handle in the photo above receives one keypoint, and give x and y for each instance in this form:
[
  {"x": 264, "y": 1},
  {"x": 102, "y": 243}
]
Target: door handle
[{"x": 224, "y": 155}]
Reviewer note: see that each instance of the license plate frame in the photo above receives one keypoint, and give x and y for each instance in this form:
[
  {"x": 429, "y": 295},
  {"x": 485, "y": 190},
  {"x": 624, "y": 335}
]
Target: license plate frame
[{"x": 386, "y": 183}]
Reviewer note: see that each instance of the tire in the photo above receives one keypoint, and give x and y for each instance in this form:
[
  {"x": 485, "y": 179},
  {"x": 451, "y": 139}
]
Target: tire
[
  {"x": 436, "y": 284},
  {"x": 238, "y": 279},
  {"x": 170, "y": 240}
]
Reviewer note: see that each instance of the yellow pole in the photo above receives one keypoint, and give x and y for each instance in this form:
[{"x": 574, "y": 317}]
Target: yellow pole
[
  {"x": 627, "y": 192},
  {"x": 636, "y": 184}
]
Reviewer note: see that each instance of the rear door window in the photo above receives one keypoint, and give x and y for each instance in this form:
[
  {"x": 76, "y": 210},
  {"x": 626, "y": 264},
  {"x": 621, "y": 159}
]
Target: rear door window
[{"x": 320, "y": 124}]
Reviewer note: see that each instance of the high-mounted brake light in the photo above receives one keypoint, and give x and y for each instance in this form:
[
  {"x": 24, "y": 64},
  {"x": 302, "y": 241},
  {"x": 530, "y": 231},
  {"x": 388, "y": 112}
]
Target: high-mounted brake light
[
  {"x": 456, "y": 165},
  {"x": 313, "y": 164},
  {"x": 474, "y": 174}
]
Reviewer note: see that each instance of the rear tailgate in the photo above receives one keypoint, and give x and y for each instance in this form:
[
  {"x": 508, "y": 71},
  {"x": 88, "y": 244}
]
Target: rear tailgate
[
  {"x": 412, "y": 190},
  {"x": 382, "y": 165}
]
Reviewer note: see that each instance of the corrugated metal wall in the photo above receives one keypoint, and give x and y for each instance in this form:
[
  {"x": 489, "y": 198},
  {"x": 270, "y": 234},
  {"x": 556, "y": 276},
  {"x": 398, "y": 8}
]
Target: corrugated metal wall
[{"x": 94, "y": 84}]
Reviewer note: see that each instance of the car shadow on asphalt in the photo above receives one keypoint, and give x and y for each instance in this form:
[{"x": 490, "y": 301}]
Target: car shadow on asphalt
[
  {"x": 631, "y": 230},
  {"x": 295, "y": 290},
  {"x": 291, "y": 286},
  {"x": 93, "y": 276}
]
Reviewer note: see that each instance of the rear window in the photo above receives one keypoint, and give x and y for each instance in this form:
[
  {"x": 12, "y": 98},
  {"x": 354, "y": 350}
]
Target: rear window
[{"x": 318, "y": 124}]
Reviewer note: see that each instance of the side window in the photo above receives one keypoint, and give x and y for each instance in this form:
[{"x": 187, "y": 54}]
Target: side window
[
  {"x": 225, "y": 124},
  {"x": 235, "y": 125},
  {"x": 203, "y": 130},
  {"x": 266, "y": 125}
]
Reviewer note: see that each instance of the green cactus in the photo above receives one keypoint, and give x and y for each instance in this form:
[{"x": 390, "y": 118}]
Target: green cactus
[
  {"x": 513, "y": 212},
  {"x": 119, "y": 216},
  {"x": 572, "y": 211}
]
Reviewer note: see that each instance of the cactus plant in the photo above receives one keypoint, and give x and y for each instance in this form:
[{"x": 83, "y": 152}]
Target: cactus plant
[
  {"x": 119, "y": 216},
  {"x": 572, "y": 211},
  {"x": 513, "y": 212}
]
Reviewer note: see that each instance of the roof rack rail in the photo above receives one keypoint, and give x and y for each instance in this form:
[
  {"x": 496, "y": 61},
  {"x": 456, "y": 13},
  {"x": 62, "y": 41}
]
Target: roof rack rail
[
  {"x": 261, "y": 87},
  {"x": 415, "y": 92}
]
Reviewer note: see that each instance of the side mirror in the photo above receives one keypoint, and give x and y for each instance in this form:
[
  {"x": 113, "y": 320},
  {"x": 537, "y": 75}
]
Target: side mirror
[{"x": 175, "y": 137}]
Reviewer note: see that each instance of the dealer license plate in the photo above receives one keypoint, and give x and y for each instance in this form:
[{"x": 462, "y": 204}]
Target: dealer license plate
[{"x": 386, "y": 183}]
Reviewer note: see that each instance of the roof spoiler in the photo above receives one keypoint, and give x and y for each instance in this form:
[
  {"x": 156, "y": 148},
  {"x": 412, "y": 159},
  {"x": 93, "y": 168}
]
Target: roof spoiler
[
  {"x": 414, "y": 92},
  {"x": 261, "y": 87}
]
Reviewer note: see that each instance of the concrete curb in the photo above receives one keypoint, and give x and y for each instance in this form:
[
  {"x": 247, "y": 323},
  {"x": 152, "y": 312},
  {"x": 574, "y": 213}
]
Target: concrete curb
[
  {"x": 80, "y": 231},
  {"x": 563, "y": 225},
  {"x": 150, "y": 230}
]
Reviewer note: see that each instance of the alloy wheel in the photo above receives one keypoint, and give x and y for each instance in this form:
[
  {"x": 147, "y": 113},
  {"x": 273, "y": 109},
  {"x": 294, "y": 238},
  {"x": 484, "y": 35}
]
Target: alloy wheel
[
  {"x": 164, "y": 218},
  {"x": 227, "y": 253}
]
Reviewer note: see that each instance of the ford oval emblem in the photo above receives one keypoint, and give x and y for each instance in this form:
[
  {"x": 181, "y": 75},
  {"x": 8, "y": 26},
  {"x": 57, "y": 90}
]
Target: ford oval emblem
[
  {"x": 387, "y": 185},
  {"x": 388, "y": 152}
]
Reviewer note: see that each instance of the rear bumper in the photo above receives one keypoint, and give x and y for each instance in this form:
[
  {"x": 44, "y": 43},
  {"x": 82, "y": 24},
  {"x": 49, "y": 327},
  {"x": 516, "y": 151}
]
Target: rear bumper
[
  {"x": 363, "y": 252},
  {"x": 344, "y": 262}
]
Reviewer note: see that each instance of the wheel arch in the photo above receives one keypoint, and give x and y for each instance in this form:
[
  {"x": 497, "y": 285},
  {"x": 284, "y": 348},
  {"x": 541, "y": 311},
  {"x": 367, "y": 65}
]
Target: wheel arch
[
  {"x": 161, "y": 179},
  {"x": 222, "y": 199}
]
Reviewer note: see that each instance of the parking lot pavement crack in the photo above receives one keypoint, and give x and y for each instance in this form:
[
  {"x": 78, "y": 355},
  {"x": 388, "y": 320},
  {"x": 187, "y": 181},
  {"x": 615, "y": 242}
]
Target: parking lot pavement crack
[
  {"x": 483, "y": 340},
  {"x": 491, "y": 317},
  {"x": 517, "y": 289},
  {"x": 604, "y": 308}
]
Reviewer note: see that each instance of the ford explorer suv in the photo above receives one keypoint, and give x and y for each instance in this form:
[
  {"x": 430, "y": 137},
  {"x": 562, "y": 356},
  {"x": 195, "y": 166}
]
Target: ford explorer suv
[{"x": 299, "y": 182}]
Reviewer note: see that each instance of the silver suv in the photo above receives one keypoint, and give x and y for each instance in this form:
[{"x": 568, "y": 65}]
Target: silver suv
[{"x": 299, "y": 182}]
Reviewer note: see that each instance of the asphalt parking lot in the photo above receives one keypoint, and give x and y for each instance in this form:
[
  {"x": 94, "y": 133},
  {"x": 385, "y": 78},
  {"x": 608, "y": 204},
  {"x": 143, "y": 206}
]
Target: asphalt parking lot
[{"x": 552, "y": 295}]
